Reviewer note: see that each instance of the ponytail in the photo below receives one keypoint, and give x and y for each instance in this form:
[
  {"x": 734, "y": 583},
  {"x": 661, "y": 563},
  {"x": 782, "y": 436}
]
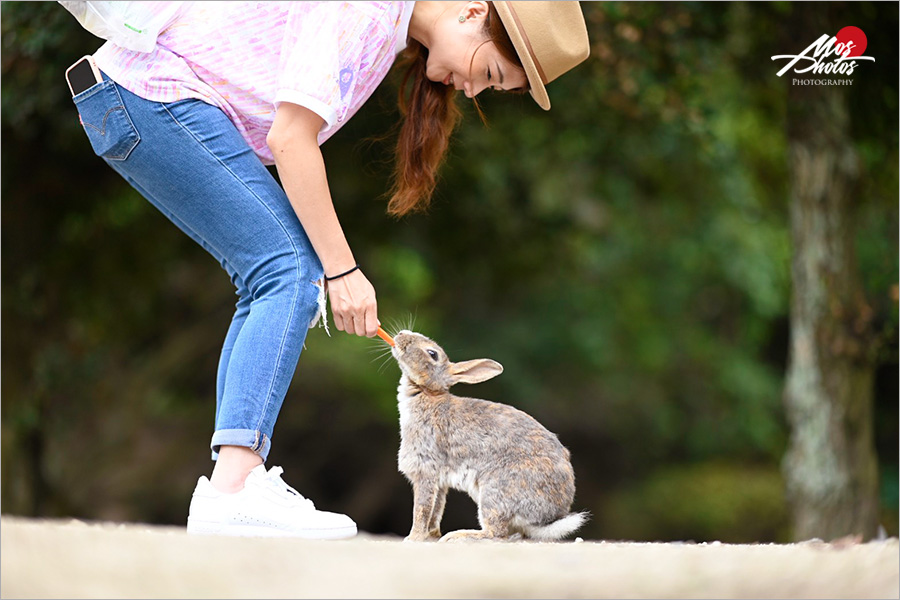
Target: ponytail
[{"x": 429, "y": 115}]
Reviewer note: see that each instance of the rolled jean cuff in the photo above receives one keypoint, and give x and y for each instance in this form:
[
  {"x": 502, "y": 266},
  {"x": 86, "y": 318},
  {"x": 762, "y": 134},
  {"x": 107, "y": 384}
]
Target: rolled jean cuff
[{"x": 249, "y": 438}]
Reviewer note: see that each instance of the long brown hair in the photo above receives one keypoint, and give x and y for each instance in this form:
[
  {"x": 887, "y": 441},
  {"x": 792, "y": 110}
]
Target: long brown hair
[{"x": 430, "y": 115}]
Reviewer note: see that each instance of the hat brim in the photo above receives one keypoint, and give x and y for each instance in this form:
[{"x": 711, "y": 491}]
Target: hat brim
[{"x": 536, "y": 86}]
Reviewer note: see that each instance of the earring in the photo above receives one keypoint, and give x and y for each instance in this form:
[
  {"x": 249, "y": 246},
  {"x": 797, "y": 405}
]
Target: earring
[{"x": 462, "y": 19}]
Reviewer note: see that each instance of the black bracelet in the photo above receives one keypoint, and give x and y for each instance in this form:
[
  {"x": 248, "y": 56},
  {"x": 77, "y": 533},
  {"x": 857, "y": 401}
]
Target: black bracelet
[{"x": 327, "y": 278}]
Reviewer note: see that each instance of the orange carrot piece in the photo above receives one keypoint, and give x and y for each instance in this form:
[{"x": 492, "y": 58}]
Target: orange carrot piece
[{"x": 384, "y": 335}]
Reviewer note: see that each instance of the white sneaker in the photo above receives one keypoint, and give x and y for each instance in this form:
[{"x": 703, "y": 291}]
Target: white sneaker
[{"x": 266, "y": 507}]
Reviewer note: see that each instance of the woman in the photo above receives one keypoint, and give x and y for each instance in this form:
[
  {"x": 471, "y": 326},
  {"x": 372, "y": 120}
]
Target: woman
[{"x": 232, "y": 87}]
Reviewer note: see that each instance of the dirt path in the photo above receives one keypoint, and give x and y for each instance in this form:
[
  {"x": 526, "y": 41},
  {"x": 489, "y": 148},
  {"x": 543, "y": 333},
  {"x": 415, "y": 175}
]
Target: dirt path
[{"x": 77, "y": 560}]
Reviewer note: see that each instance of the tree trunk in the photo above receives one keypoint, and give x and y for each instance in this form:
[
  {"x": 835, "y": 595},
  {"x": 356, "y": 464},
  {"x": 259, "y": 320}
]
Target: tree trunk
[{"x": 830, "y": 468}]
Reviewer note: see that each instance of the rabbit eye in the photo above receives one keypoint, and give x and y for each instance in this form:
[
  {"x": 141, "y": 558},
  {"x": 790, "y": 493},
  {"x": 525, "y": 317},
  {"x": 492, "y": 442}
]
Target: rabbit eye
[{"x": 432, "y": 354}]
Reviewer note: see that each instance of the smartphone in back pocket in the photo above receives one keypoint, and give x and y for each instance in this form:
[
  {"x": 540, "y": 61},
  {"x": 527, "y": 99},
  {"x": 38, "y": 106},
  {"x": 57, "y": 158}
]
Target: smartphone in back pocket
[{"x": 82, "y": 75}]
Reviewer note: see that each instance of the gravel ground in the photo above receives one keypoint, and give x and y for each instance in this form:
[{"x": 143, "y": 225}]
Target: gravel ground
[{"x": 72, "y": 559}]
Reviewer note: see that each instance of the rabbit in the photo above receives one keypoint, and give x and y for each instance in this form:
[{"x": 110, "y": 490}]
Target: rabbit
[{"x": 516, "y": 471}]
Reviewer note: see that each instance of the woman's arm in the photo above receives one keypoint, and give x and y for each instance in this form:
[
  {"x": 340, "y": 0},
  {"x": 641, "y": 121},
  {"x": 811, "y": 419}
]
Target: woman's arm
[{"x": 293, "y": 142}]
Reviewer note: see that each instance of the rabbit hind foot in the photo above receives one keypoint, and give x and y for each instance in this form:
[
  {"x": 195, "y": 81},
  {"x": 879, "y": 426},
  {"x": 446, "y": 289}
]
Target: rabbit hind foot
[{"x": 471, "y": 535}]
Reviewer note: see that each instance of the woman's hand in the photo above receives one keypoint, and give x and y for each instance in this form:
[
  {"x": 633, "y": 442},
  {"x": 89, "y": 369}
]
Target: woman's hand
[{"x": 353, "y": 304}]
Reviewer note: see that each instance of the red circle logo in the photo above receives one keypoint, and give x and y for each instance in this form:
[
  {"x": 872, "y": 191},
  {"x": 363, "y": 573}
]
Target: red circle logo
[{"x": 854, "y": 38}]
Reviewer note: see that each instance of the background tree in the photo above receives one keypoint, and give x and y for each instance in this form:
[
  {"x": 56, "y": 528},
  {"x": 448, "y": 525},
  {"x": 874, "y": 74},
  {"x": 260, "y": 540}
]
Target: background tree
[{"x": 831, "y": 468}]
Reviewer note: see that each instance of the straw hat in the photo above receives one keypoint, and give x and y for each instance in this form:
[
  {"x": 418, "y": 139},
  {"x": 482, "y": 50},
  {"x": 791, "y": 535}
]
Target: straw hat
[{"x": 550, "y": 38}]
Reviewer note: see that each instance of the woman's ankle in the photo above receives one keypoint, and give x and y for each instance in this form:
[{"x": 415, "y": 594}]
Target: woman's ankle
[{"x": 232, "y": 467}]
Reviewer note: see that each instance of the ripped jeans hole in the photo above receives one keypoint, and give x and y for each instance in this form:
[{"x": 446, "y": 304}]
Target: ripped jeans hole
[{"x": 321, "y": 316}]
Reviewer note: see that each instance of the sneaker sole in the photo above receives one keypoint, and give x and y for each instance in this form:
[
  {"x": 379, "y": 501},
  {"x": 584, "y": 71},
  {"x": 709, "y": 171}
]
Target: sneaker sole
[{"x": 241, "y": 530}]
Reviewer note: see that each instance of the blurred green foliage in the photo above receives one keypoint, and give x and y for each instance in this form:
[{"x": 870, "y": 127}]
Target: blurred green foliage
[
  {"x": 699, "y": 502},
  {"x": 626, "y": 257}
]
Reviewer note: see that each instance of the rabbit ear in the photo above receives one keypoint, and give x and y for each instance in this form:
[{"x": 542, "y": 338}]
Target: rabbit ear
[{"x": 474, "y": 371}]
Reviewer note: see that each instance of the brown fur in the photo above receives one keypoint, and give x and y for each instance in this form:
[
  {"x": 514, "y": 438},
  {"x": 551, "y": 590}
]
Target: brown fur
[{"x": 517, "y": 472}]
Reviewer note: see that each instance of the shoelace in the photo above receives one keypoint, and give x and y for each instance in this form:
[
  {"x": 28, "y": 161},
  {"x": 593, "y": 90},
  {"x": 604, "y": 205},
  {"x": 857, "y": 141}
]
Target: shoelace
[{"x": 273, "y": 480}]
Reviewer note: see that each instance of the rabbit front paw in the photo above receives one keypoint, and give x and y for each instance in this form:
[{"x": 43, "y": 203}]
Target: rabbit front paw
[{"x": 423, "y": 536}]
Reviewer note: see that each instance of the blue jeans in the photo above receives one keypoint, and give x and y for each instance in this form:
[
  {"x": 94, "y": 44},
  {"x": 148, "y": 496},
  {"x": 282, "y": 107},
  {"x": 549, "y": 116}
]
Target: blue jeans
[{"x": 190, "y": 162}]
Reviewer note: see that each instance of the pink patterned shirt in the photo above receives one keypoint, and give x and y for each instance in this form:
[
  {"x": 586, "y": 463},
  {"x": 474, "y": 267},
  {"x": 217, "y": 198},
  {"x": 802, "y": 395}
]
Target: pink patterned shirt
[{"x": 247, "y": 57}]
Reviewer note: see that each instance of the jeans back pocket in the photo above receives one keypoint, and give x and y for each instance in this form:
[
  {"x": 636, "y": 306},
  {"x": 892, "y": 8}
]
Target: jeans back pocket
[{"x": 106, "y": 121}]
